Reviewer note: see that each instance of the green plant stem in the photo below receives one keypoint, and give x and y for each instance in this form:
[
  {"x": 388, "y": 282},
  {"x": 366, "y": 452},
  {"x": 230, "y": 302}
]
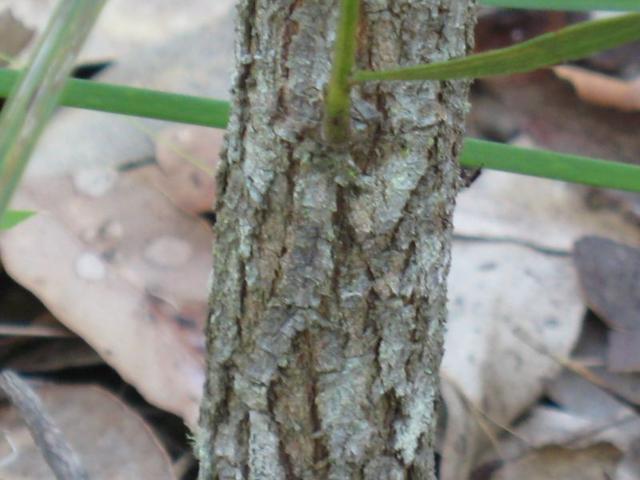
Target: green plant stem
[
  {"x": 613, "y": 5},
  {"x": 569, "y": 43},
  {"x": 133, "y": 101},
  {"x": 38, "y": 88},
  {"x": 338, "y": 98},
  {"x": 556, "y": 166}
]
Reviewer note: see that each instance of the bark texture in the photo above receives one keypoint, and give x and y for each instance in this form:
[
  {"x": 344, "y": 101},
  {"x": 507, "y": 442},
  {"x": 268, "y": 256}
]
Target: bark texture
[{"x": 328, "y": 295}]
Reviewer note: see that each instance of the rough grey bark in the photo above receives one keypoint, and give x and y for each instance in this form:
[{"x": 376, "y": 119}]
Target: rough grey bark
[{"x": 328, "y": 295}]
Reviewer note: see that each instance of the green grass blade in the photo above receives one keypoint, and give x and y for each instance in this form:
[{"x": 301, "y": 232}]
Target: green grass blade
[
  {"x": 477, "y": 153},
  {"x": 11, "y": 218},
  {"x": 613, "y": 5},
  {"x": 553, "y": 165},
  {"x": 569, "y": 43},
  {"x": 38, "y": 88},
  {"x": 139, "y": 102},
  {"x": 146, "y": 103}
]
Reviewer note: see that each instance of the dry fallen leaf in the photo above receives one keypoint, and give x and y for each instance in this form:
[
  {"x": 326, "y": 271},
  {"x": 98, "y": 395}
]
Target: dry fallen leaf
[
  {"x": 187, "y": 156},
  {"x": 592, "y": 463},
  {"x": 14, "y": 35},
  {"x": 547, "y": 215},
  {"x": 107, "y": 299},
  {"x": 490, "y": 375},
  {"x": 586, "y": 414},
  {"x": 543, "y": 213},
  {"x": 609, "y": 274},
  {"x": 591, "y": 352},
  {"x": 122, "y": 282},
  {"x": 511, "y": 270},
  {"x": 629, "y": 467},
  {"x": 580, "y": 397},
  {"x": 545, "y": 426},
  {"x": 602, "y": 90},
  {"x": 112, "y": 441},
  {"x": 552, "y": 427},
  {"x": 548, "y": 110},
  {"x": 123, "y": 25},
  {"x": 110, "y": 253}
]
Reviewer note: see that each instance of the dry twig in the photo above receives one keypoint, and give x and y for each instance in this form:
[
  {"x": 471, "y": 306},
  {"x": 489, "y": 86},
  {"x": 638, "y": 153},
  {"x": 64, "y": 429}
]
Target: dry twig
[{"x": 57, "y": 452}]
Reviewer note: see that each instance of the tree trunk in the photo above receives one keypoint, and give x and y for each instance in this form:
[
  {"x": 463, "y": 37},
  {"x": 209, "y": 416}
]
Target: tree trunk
[{"x": 330, "y": 265}]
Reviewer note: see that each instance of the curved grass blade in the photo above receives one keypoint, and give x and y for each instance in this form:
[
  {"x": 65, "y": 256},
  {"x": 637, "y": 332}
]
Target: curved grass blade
[
  {"x": 553, "y": 165},
  {"x": 38, "y": 88},
  {"x": 613, "y": 5},
  {"x": 11, "y": 218},
  {"x": 133, "y": 101},
  {"x": 569, "y": 43}
]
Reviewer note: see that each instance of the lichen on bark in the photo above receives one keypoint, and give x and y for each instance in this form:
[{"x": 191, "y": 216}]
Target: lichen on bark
[{"x": 329, "y": 291}]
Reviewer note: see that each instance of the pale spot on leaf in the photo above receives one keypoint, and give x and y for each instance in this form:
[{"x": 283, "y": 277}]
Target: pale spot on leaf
[
  {"x": 168, "y": 252},
  {"x": 90, "y": 267},
  {"x": 94, "y": 182}
]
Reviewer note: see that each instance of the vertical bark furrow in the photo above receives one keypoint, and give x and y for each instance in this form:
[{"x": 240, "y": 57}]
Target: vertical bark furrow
[{"x": 328, "y": 299}]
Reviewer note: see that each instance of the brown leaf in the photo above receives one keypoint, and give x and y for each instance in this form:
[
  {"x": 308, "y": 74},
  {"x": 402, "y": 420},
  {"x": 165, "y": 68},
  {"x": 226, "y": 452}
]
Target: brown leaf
[
  {"x": 50, "y": 441},
  {"x": 111, "y": 440},
  {"x": 602, "y": 90},
  {"x": 593, "y": 463},
  {"x": 543, "y": 213},
  {"x": 548, "y": 110},
  {"x": 490, "y": 376},
  {"x": 125, "y": 26},
  {"x": 511, "y": 269},
  {"x": 629, "y": 467},
  {"x": 577, "y": 422},
  {"x": 616, "y": 389},
  {"x": 14, "y": 35},
  {"x": 609, "y": 273},
  {"x": 110, "y": 253},
  {"x": 546, "y": 426},
  {"x": 580, "y": 397},
  {"x": 187, "y": 156}
]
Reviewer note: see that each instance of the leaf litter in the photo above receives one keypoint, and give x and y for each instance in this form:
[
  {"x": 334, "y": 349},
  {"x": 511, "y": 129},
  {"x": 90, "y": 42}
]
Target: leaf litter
[
  {"x": 110, "y": 438},
  {"x": 108, "y": 218},
  {"x": 497, "y": 424},
  {"x": 119, "y": 200}
]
